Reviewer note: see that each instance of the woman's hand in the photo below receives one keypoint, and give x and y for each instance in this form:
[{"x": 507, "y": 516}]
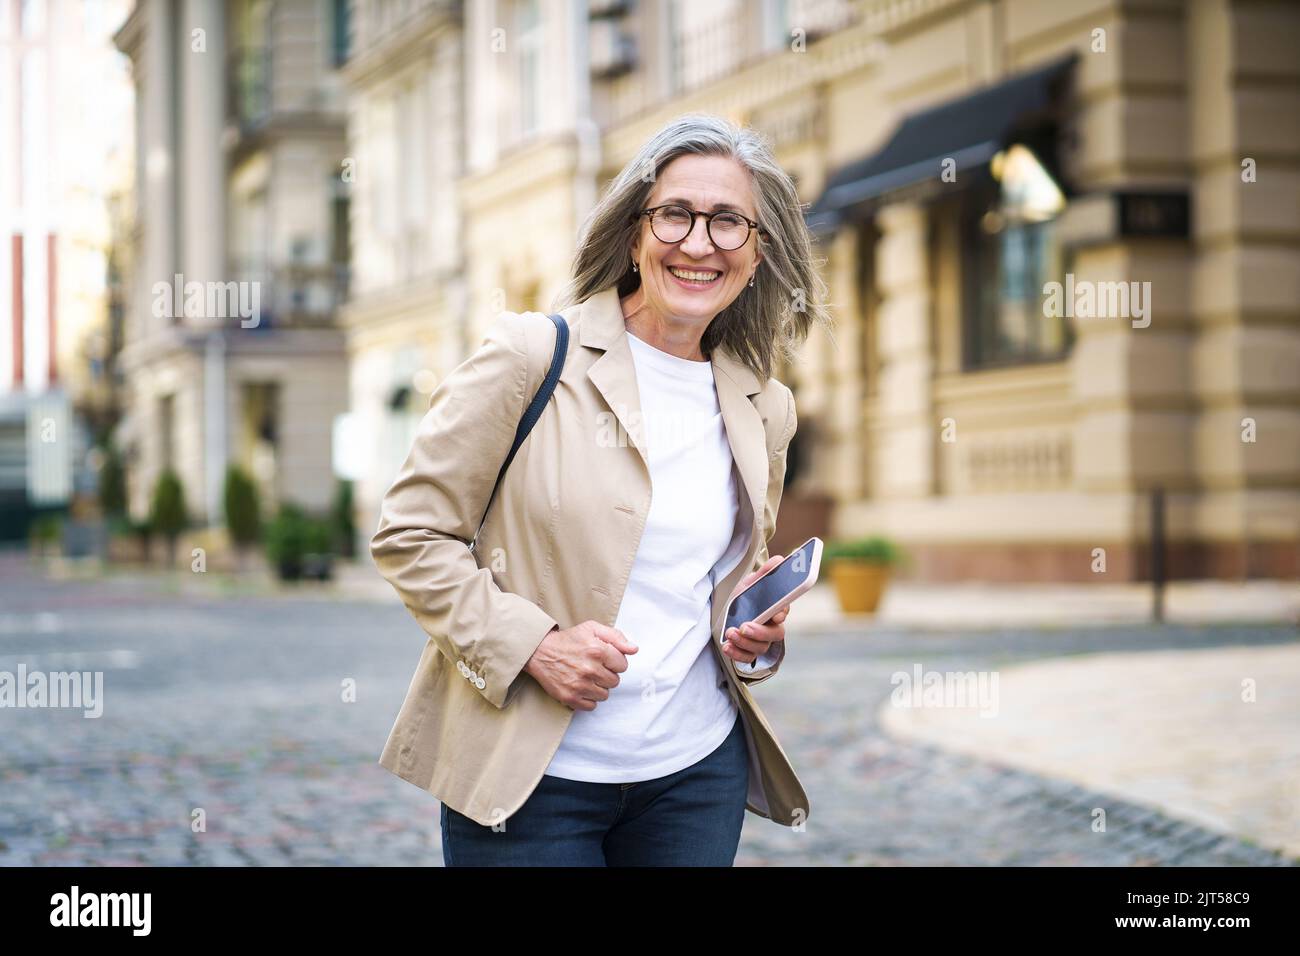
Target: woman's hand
[
  {"x": 579, "y": 666},
  {"x": 750, "y": 640}
]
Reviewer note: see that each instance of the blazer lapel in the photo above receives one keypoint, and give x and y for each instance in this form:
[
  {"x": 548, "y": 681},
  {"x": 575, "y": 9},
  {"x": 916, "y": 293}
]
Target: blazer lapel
[{"x": 745, "y": 433}]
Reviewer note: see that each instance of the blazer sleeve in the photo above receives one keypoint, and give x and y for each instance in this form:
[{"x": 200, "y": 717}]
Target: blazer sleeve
[
  {"x": 431, "y": 513},
  {"x": 761, "y": 669}
]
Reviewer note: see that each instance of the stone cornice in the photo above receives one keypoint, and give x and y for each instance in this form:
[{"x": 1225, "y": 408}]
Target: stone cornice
[
  {"x": 776, "y": 77},
  {"x": 521, "y": 170},
  {"x": 399, "y": 48}
]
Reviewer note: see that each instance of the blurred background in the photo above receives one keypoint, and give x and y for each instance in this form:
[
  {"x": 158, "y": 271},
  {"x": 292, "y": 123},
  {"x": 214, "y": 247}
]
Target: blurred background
[
  {"x": 245, "y": 241},
  {"x": 391, "y": 174}
]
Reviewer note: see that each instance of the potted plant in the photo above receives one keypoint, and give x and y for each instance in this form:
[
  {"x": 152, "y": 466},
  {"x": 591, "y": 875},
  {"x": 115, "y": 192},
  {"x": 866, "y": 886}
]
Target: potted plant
[
  {"x": 299, "y": 545},
  {"x": 860, "y": 568},
  {"x": 286, "y": 542}
]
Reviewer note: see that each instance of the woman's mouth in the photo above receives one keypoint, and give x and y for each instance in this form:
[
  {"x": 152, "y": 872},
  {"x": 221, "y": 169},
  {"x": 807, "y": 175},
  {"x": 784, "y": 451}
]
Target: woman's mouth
[{"x": 694, "y": 278}]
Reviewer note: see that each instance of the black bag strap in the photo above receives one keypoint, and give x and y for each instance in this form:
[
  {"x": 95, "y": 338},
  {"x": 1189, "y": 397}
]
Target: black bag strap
[{"x": 534, "y": 410}]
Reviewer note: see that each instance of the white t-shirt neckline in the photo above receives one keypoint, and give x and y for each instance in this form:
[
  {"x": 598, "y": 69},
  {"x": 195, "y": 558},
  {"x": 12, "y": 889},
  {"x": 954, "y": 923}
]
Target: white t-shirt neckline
[{"x": 671, "y": 364}]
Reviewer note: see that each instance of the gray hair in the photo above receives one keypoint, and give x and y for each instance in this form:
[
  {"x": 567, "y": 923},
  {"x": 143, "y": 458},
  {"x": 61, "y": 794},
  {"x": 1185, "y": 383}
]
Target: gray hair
[{"x": 767, "y": 321}]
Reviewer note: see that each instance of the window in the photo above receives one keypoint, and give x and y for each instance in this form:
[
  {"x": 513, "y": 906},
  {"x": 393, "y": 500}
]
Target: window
[
  {"x": 528, "y": 28},
  {"x": 776, "y": 24},
  {"x": 30, "y": 17},
  {"x": 706, "y": 37},
  {"x": 167, "y": 431},
  {"x": 868, "y": 306},
  {"x": 340, "y": 239},
  {"x": 1009, "y": 251},
  {"x": 259, "y": 436},
  {"x": 382, "y": 183},
  {"x": 339, "y": 35}
]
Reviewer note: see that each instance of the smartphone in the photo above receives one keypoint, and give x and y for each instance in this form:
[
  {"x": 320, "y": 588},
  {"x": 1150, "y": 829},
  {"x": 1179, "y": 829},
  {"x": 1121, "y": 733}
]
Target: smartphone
[{"x": 780, "y": 586}]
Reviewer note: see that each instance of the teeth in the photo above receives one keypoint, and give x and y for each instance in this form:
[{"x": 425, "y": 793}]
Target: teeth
[{"x": 694, "y": 276}]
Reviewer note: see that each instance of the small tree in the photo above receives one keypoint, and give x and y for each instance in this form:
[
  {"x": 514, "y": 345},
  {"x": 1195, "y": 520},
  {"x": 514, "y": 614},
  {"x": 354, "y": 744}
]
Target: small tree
[
  {"x": 341, "y": 518},
  {"x": 243, "y": 517},
  {"x": 167, "y": 513},
  {"x": 112, "y": 484}
]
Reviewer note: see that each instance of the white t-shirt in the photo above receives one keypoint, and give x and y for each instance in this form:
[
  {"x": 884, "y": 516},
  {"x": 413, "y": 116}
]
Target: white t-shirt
[{"x": 670, "y": 708}]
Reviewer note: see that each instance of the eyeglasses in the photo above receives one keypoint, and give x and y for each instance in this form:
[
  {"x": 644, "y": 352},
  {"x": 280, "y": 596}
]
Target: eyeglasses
[{"x": 727, "y": 230}]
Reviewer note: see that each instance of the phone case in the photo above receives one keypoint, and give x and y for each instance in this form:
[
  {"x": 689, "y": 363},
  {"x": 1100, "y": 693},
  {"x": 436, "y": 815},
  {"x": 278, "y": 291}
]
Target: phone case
[{"x": 798, "y": 591}]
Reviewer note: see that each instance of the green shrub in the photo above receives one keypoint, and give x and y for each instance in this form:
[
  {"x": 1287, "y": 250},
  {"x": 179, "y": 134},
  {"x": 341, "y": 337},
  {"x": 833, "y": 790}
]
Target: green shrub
[
  {"x": 243, "y": 517},
  {"x": 286, "y": 541},
  {"x": 299, "y": 545},
  {"x": 873, "y": 548},
  {"x": 112, "y": 484},
  {"x": 167, "y": 511},
  {"x": 341, "y": 517},
  {"x": 45, "y": 530}
]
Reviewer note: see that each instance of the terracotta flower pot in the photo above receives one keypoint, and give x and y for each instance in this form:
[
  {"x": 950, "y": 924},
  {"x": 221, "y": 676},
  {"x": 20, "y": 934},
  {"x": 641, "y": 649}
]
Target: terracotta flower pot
[{"x": 858, "y": 584}]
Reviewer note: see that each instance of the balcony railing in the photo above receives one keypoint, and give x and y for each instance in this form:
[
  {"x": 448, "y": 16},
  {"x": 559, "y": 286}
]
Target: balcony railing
[
  {"x": 296, "y": 295},
  {"x": 249, "y": 76}
]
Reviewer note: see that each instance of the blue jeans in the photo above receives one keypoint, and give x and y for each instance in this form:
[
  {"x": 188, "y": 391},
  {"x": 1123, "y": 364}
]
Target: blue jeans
[{"x": 689, "y": 818}]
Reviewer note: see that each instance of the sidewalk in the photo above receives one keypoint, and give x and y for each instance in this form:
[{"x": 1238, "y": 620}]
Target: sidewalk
[
  {"x": 957, "y": 605},
  {"x": 976, "y": 605},
  {"x": 1174, "y": 730},
  {"x": 905, "y": 604}
]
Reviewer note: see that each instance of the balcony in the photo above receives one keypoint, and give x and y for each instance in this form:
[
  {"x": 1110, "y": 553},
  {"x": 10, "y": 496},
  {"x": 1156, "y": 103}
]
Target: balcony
[
  {"x": 248, "y": 100},
  {"x": 295, "y": 295}
]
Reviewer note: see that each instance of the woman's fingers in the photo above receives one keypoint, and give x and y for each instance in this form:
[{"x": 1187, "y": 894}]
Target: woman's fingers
[{"x": 757, "y": 641}]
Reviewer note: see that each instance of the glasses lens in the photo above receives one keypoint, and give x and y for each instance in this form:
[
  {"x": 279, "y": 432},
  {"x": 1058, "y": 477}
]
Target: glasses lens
[
  {"x": 671, "y": 223},
  {"x": 728, "y": 231}
]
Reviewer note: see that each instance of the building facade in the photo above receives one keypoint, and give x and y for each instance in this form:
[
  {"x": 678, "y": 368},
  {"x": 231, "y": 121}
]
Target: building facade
[
  {"x": 1060, "y": 241},
  {"x": 232, "y": 351},
  {"x": 1065, "y": 286},
  {"x": 61, "y": 156},
  {"x": 405, "y": 319}
]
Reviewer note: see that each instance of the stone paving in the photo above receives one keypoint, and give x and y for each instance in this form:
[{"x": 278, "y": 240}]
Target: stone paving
[
  {"x": 1211, "y": 735},
  {"x": 228, "y": 700}
]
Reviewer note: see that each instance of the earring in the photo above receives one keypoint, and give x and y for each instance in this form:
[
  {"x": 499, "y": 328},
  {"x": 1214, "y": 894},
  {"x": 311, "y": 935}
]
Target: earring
[
  {"x": 751, "y": 281},
  {"x": 635, "y": 268}
]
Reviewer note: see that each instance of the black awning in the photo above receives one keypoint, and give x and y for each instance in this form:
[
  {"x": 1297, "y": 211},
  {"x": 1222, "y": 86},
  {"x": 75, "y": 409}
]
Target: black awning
[{"x": 969, "y": 131}]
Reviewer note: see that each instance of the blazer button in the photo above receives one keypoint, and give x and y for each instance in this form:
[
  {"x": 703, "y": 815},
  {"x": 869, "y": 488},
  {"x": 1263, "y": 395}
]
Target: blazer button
[
  {"x": 460, "y": 666},
  {"x": 480, "y": 683}
]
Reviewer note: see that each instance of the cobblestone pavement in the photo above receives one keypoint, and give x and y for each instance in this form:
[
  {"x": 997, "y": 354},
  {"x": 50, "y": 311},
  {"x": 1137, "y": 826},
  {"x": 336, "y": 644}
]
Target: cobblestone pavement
[{"x": 230, "y": 702}]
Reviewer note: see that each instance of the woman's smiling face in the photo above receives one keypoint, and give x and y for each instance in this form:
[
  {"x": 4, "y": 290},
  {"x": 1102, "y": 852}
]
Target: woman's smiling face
[{"x": 704, "y": 184}]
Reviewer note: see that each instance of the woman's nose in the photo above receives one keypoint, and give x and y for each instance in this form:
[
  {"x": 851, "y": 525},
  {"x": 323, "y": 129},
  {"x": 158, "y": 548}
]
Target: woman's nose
[{"x": 698, "y": 237}]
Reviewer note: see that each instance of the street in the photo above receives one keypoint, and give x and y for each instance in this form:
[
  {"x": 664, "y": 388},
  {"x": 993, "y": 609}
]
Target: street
[{"x": 226, "y": 704}]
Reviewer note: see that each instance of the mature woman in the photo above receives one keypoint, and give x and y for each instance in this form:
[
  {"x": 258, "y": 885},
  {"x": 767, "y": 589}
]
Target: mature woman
[{"x": 578, "y": 702}]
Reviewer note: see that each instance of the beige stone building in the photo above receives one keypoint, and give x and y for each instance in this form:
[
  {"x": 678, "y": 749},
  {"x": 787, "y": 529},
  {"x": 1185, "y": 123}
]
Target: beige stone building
[
  {"x": 961, "y": 413},
  {"x": 405, "y": 320},
  {"x": 1061, "y": 240},
  {"x": 240, "y": 148}
]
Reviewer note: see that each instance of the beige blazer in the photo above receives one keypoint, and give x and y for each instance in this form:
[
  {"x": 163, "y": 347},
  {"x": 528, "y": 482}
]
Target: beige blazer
[{"x": 475, "y": 730}]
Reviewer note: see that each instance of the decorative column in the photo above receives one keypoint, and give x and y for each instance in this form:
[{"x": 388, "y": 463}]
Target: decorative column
[
  {"x": 202, "y": 61},
  {"x": 903, "y": 465}
]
